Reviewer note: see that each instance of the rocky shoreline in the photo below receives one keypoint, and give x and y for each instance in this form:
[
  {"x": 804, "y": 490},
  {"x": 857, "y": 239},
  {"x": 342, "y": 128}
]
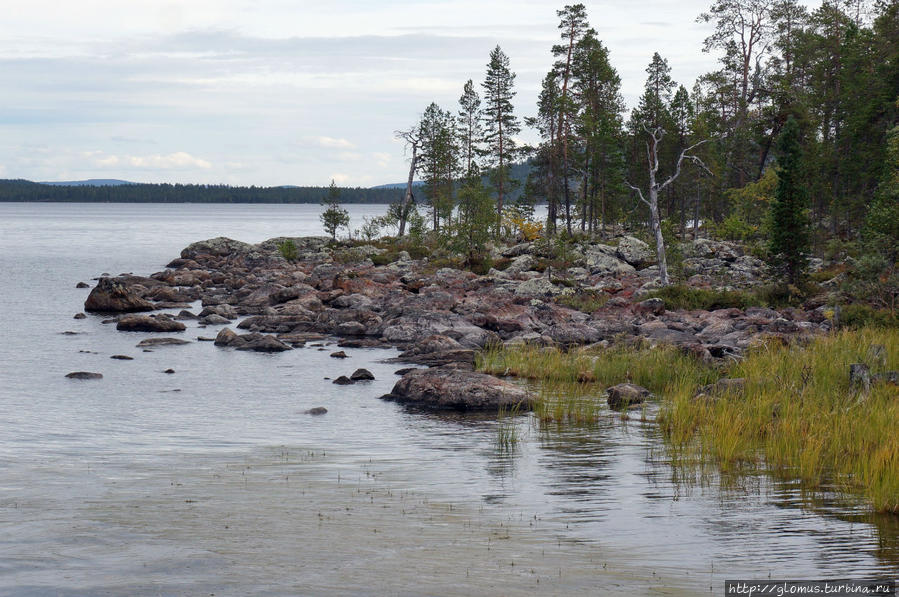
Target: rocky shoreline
[{"x": 440, "y": 316}]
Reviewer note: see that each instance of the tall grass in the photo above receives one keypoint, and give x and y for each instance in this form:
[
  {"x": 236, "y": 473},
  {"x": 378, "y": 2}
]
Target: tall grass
[
  {"x": 799, "y": 419},
  {"x": 795, "y": 417}
]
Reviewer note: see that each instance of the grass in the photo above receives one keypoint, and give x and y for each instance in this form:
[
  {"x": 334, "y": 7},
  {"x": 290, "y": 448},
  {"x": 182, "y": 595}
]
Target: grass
[
  {"x": 681, "y": 296},
  {"x": 586, "y": 301},
  {"x": 798, "y": 418},
  {"x": 795, "y": 417},
  {"x": 507, "y": 436}
]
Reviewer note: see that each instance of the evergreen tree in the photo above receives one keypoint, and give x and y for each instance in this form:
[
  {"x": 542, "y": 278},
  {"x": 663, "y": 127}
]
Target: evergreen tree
[
  {"x": 439, "y": 161},
  {"x": 334, "y": 217},
  {"x": 788, "y": 222},
  {"x": 500, "y": 124},
  {"x": 470, "y": 127}
]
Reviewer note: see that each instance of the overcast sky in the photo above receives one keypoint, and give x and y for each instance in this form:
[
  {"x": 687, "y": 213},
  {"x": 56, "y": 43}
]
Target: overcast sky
[{"x": 273, "y": 92}]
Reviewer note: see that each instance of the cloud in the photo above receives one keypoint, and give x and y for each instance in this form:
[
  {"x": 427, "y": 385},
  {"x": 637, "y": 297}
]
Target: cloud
[
  {"x": 172, "y": 161},
  {"x": 383, "y": 160},
  {"x": 340, "y": 178},
  {"x": 332, "y": 143}
]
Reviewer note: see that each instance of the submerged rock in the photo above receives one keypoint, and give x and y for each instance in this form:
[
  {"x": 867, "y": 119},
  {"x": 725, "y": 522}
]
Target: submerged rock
[
  {"x": 339, "y": 355},
  {"x": 122, "y": 357},
  {"x": 84, "y": 375},
  {"x": 161, "y": 342},
  {"x": 343, "y": 380},
  {"x": 318, "y": 410},
  {"x": 449, "y": 388},
  {"x": 111, "y": 296}
]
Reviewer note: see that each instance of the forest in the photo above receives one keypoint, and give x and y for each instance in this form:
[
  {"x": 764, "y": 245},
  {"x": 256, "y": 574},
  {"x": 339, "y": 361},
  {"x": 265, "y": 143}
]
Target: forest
[
  {"x": 706, "y": 151},
  {"x": 23, "y": 190}
]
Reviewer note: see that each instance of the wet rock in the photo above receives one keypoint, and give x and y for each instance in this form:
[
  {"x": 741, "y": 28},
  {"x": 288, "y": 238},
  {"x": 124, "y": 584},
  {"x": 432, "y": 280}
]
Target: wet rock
[
  {"x": 70, "y": 333},
  {"x": 625, "y": 395},
  {"x": 214, "y": 319},
  {"x": 122, "y": 357},
  {"x": 82, "y": 285},
  {"x": 448, "y": 388},
  {"x": 161, "y": 342},
  {"x": 169, "y": 371},
  {"x": 79, "y": 316},
  {"x": 112, "y": 296},
  {"x": 317, "y": 411},
  {"x": 404, "y": 371},
  {"x": 261, "y": 343},
  {"x": 226, "y": 337},
  {"x": 205, "y": 339},
  {"x": 149, "y": 323},
  {"x": 84, "y": 375},
  {"x": 339, "y": 355},
  {"x": 362, "y": 375},
  {"x": 343, "y": 380}
]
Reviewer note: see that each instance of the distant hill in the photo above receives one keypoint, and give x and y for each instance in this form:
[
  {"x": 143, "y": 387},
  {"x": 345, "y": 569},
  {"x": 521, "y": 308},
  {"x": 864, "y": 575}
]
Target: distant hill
[
  {"x": 398, "y": 185},
  {"x": 91, "y": 182}
]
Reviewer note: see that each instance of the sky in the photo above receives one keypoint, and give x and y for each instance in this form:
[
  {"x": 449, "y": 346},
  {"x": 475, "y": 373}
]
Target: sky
[{"x": 278, "y": 92}]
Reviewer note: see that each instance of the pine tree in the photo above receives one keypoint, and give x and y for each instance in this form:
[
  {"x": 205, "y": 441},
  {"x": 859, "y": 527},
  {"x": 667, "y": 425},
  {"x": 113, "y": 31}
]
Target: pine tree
[
  {"x": 334, "y": 217},
  {"x": 500, "y": 123},
  {"x": 439, "y": 161},
  {"x": 470, "y": 128},
  {"x": 788, "y": 222}
]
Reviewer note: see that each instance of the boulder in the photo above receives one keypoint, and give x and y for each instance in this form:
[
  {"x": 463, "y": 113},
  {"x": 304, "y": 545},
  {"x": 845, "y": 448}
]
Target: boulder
[
  {"x": 449, "y": 388},
  {"x": 343, "y": 380},
  {"x": 226, "y": 337},
  {"x": 149, "y": 323},
  {"x": 604, "y": 264},
  {"x": 112, "y": 296},
  {"x": 653, "y": 306},
  {"x": 261, "y": 343},
  {"x": 625, "y": 395},
  {"x": 634, "y": 251},
  {"x": 79, "y": 316},
  {"x": 362, "y": 375},
  {"x": 339, "y": 355},
  {"x": 318, "y": 410},
  {"x": 214, "y": 319},
  {"x": 84, "y": 375},
  {"x": 82, "y": 285},
  {"x": 721, "y": 387}
]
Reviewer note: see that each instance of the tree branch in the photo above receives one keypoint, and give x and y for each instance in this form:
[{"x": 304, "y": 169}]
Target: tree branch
[{"x": 639, "y": 193}]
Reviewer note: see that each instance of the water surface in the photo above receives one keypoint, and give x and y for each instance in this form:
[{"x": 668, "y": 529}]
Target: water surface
[{"x": 211, "y": 480}]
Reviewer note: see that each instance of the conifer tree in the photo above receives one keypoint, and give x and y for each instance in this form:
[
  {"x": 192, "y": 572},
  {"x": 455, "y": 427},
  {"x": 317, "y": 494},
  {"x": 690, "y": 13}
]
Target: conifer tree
[
  {"x": 470, "y": 128},
  {"x": 789, "y": 237},
  {"x": 500, "y": 123},
  {"x": 334, "y": 217}
]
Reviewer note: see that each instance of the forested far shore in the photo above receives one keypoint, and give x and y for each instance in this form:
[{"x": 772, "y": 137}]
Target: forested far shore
[{"x": 27, "y": 191}]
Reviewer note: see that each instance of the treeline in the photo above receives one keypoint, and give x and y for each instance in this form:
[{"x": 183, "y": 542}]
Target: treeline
[
  {"x": 694, "y": 152},
  {"x": 23, "y": 190}
]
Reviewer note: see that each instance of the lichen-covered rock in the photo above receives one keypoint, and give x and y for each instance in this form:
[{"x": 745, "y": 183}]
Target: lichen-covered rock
[{"x": 635, "y": 251}]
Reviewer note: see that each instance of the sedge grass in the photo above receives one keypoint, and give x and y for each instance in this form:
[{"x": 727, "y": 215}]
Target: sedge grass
[{"x": 796, "y": 416}]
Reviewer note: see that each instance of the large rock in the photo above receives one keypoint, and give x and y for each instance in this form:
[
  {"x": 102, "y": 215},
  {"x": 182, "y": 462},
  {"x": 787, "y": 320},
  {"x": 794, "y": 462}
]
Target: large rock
[
  {"x": 625, "y": 395},
  {"x": 84, "y": 375},
  {"x": 449, "y": 388},
  {"x": 112, "y": 296},
  {"x": 252, "y": 341},
  {"x": 149, "y": 323},
  {"x": 604, "y": 264},
  {"x": 161, "y": 342},
  {"x": 634, "y": 251}
]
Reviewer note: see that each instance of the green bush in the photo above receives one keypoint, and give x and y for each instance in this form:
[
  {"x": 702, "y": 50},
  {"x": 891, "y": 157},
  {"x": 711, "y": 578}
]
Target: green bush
[
  {"x": 288, "y": 250},
  {"x": 857, "y": 316},
  {"x": 586, "y": 301}
]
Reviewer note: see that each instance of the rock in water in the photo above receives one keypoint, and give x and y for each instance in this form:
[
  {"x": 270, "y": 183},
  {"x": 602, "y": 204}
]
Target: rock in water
[
  {"x": 318, "y": 410},
  {"x": 148, "y": 323},
  {"x": 343, "y": 380},
  {"x": 448, "y": 388},
  {"x": 122, "y": 357},
  {"x": 79, "y": 316},
  {"x": 161, "y": 342},
  {"x": 84, "y": 375},
  {"x": 625, "y": 395},
  {"x": 110, "y": 296},
  {"x": 362, "y": 375},
  {"x": 82, "y": 285},
  {"x": 339, "y": 355}
]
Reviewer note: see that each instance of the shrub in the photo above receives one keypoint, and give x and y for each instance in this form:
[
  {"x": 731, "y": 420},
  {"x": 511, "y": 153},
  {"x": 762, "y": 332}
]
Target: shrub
[
  {"x": 680, "y": 296},
  {"x": 586, "y": 301},
  {"x": 288, "y": 250}
]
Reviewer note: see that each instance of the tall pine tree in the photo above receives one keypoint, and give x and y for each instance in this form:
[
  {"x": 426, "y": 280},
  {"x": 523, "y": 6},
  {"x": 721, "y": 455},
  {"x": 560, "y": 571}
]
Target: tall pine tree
[
  {"x": 500, "y": 123},
  {"x": 789, "y": 236}
]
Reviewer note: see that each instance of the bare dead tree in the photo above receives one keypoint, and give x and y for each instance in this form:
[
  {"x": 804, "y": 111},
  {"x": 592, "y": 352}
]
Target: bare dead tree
[
  {"x": 652, "y": 154},
  {"x": 412, "y": 138}
]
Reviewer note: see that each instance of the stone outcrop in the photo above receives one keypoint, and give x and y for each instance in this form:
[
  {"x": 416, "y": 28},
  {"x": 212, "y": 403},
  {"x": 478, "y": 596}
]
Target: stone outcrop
[
  {"x": 111, "y": 295},
  {"x": 149, "y": 323}
]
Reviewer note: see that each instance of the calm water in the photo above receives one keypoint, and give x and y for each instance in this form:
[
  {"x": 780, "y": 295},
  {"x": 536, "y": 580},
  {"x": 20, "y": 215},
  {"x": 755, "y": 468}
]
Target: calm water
[{"x": 212, "y": 481}]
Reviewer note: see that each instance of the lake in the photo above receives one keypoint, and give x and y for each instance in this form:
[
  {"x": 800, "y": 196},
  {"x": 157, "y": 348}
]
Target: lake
[{"x": 211, "y": 480}]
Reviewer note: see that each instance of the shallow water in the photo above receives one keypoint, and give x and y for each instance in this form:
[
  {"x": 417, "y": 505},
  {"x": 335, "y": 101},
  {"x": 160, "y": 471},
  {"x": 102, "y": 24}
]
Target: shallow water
[{"x": 211, "y": 480}]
